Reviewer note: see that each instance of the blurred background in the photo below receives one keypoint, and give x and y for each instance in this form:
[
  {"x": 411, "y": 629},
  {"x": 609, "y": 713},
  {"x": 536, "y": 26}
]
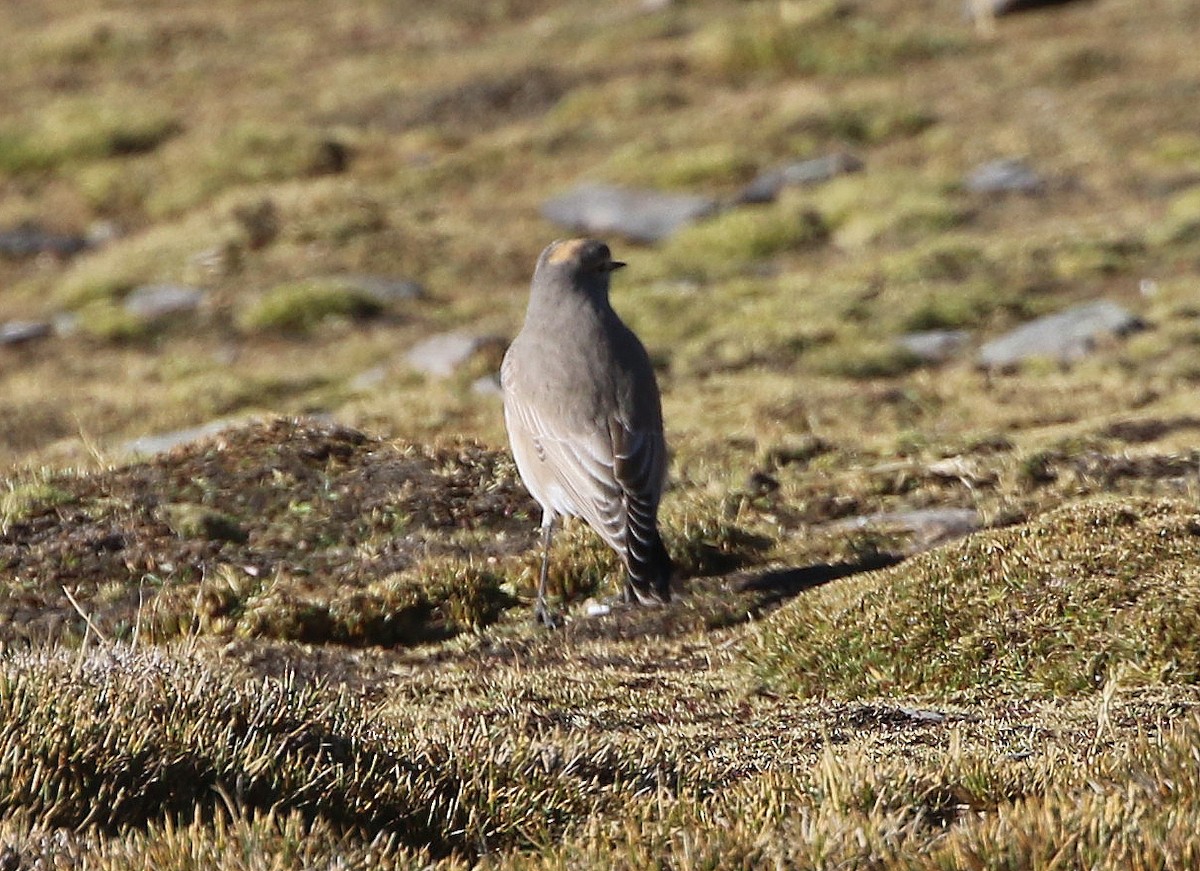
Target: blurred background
[{"x": 836, "y": 215}]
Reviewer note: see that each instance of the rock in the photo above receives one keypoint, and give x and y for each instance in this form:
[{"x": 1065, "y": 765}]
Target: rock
[
  {"x": 1064, "y": 337},
  {"x": 163, "y": 442},
  {"x": 1005, "y": 176},
  {"x": 65, "y": 324},
  {"x": 21, "y": 332},
  {"x": 766, "y": 187},
  {"x": 385, "y": 290},
  {"x": 441, "y": 355},
  {"x": 156, "y": 302},
  {"x": 639, "y": 215},
  {"x": 928, "y": 526},
  {"x": 487, "y": 385},
  {"x": 934, "y": 346},
  {"x": 29, "y": 240},
  {"x": 369, "y": 379},
  {"x": 923, "y": 715},
  {"x": 592, "y": 608}
]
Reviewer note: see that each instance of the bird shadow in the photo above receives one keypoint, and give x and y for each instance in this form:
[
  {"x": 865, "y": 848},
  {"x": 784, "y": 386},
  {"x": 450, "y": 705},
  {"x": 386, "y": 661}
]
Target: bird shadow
[{"x": 775, "y": 586}]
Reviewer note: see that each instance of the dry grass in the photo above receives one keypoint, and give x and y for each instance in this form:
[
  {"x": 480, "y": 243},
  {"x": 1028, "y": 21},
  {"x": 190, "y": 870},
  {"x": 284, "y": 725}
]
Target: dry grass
[{"x": 309, "y": 643}]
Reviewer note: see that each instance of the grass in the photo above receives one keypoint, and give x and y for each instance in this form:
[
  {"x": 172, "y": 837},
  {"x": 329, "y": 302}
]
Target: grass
[{"x": 308, "y": 643}]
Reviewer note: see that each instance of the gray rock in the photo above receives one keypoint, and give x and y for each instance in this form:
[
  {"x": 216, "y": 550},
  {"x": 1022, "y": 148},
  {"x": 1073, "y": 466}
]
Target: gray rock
[
  {"x": 384, "y": 290},
  {"x": 766, "y": 187},
  {"x": 65, "y": 324},
  {"x": 155, "y": 302},
  {"x": 487, "y": 385},
  {"x": 369, "y": 379},
  {"x": 1005, "y": 176},
  {"x": 934, "y": 346},
  {"x": 928, "y": 526},
  {"x": 163, "y": 442},
  {"x": 441, "y": 355},
  {"x": 639, "y": 215},
  {"x": 1064, "y": 337},
  {"x": 29, "y": 240},
  {"x": 20, "y": 332}
]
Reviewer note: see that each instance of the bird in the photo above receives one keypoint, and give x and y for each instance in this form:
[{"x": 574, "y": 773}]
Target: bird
[{"x": 584, "y": 418}]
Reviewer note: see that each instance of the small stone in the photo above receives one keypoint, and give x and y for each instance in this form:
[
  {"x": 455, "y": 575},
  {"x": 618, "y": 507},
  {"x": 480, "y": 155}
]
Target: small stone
[
  {"x": 21, "y": 332},
  {"x": 29, "y": 240},
  {"x": 934, "y": 346},
  {"x": 766, "y": 187},
  {"x": 441, "y": 355},
  {"x": 597, "y": 609},
  {"x": 370, "y": 379},
  {"x": 922, "y": 715},
  {"x": 155, "y": 302},
  {"x": 644, "y": 216},
  {"x": 1064, "y": 337},
  {"x": 65, "y": 324},
  {"x": 163, "y": 442},
  {"x": 1005, "y": 176},
  {"x": 928, "y": 526},
  {"x": 102, "y": 232},
  {"x": 487, "y": 385}
]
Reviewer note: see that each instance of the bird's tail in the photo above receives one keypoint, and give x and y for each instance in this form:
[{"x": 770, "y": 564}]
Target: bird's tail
[{"x": 650, "y": 568}]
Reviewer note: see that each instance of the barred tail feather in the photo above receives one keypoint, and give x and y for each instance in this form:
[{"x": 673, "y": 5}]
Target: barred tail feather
[{"x": 649, "y": 565}]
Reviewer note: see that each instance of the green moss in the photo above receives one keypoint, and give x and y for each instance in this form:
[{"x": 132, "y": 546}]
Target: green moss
[
  {"x": 825, "y": 41},
  {"x": 300, "y": 307},
  {"x": 685, "y": 168},
  {"x": 20, "y": 154},
  {"x": 949, "y": 307},
  {"x": 109, "y": 321},
  {"x": 865, "y": 124},
  {"x": 72, "y": 130},
  {"x": 1182, "y": 222},
  {"x": 730, "y": 242}
]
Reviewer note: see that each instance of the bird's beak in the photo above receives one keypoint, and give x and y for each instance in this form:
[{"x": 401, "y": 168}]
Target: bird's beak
[{"x": 613, "y": 265}]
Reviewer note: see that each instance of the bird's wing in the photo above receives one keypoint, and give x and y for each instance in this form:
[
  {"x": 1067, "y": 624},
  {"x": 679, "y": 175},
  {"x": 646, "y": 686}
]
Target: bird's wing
[{"x": 567, "y": 470}]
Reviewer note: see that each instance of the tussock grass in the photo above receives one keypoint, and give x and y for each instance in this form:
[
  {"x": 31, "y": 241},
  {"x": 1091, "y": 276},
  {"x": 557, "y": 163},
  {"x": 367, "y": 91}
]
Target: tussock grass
[{"x": 124, "y": 737}]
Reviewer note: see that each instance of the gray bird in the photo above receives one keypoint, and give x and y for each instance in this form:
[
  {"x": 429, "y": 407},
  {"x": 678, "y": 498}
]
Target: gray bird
[{"x": 584, "y": 417}]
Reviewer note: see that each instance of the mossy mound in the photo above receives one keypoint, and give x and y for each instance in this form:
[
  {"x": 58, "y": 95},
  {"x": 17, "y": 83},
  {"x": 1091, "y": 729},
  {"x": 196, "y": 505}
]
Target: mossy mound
[
  {"x": 1093, "y": 591},
  {"x": 288, "y": 529}
]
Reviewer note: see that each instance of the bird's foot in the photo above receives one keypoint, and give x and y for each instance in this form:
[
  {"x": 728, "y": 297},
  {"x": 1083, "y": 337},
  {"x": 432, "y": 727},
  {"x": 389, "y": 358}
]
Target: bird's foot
[{"x": 543, "y": 616}]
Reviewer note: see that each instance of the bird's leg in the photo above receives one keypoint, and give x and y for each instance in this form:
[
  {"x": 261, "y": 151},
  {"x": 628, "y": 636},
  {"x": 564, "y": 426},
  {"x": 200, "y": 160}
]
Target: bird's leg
[{"x": 542, "y": 611}]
